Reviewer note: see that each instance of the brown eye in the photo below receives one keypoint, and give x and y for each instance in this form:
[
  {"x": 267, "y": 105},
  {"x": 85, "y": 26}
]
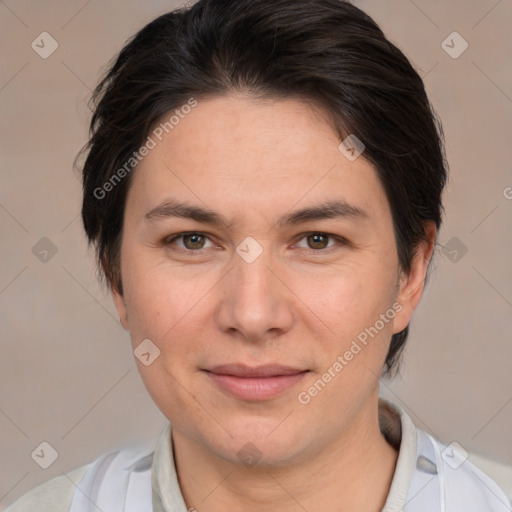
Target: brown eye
[
  {"x": 193, "y": 241},
  {"x": 189, "y": 241},
  {"x": 318, "y": 240}
]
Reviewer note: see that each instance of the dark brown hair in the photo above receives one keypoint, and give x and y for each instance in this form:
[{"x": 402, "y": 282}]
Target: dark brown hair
[{"x": 327, "y": 52}]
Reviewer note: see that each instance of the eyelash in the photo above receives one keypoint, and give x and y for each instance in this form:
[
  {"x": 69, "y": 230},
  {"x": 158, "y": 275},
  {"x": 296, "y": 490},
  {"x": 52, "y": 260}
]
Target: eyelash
[{"x": 167, "y": 241}]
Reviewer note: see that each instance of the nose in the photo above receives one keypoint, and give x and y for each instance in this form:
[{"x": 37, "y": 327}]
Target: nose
[{"x": 255, "y": 304}]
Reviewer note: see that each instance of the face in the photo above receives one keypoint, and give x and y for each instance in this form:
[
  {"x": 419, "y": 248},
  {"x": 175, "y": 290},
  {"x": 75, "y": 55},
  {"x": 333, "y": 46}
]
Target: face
[{"x": 220, "y": 268}]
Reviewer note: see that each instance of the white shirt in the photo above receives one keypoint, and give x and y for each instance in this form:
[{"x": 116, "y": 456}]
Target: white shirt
[{"x": 429, "y": 477}]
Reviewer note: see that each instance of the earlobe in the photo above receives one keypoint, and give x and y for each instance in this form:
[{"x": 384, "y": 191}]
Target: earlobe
[
  {"x": 121, "y": 307},
  {"x": 412, "y": 284}
]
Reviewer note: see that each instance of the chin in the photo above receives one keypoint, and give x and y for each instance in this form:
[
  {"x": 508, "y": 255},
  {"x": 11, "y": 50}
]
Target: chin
[{"x": 258, "y": 443}]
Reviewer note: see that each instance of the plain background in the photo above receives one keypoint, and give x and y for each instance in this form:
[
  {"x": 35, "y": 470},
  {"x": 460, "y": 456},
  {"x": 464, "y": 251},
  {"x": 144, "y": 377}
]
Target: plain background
[{"x": 67, "y": 374}]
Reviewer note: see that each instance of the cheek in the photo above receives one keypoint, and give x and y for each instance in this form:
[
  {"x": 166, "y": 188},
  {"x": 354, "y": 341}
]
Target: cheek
[
  {"x": 168, "y": 312},
  {"x": 155, "y": 310},
  {"x": 349, "y": 299},
  {"x": 165, "y": 304}
]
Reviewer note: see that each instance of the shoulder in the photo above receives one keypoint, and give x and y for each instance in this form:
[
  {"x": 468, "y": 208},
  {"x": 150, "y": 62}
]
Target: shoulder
[
  {"x": 465, "y": 484},
  {"x": 105, "y": 478},
  {"x": 55, "y": 495}
]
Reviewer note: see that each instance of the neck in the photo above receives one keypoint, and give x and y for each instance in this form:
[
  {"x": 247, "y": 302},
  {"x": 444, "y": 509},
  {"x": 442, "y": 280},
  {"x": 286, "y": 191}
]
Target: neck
[{"x": 353, "y": 472}]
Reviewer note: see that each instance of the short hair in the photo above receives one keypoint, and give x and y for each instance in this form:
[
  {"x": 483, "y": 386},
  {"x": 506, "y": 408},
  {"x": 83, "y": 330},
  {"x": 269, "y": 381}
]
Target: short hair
[{"x": 326, "y": 52}]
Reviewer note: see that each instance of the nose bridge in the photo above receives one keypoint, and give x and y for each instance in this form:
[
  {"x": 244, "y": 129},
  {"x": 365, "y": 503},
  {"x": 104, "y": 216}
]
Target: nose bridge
[
  {"x": 254, "y": 302},
  {"x": 252, "y": 261},
  {"x": 252, "y": 279}
]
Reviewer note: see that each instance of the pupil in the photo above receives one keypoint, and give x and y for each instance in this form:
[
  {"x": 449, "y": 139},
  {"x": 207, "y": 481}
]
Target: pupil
[
  {"x": 317, "y": 239},
  {"x": 194, "y": 239}
]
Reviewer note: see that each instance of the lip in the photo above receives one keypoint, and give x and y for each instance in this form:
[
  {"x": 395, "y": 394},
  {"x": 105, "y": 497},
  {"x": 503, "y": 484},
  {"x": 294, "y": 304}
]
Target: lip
[
  {"x": 254, "y": 383},
  {"x": 266, "y": 370}
]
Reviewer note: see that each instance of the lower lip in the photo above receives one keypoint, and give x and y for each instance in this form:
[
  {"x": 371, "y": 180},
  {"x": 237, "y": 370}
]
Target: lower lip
[{"x": 255, "y": 388}]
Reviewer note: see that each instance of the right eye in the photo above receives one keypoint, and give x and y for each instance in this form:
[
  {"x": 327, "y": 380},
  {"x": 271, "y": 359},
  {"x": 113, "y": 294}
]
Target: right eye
[{"x": 191, "y": 241}]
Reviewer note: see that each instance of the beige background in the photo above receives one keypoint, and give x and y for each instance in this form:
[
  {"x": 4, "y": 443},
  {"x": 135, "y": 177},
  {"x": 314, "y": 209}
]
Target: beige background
[{"x": 67, "y": 374}]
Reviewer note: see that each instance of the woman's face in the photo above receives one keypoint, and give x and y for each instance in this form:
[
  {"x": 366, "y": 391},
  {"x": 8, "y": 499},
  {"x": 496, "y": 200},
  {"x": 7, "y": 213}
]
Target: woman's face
[{"x": 254, "y": 283}]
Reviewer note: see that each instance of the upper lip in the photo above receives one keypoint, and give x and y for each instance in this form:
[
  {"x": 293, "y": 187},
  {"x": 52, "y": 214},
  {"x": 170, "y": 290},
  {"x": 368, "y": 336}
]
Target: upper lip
[{"x": 242, "y": 370}]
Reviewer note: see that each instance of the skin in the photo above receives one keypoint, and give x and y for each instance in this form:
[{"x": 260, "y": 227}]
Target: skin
[{"x": 298, "y": 304}]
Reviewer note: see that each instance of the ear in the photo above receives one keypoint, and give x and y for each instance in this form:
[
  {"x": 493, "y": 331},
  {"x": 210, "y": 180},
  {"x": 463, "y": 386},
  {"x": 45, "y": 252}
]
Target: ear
[
  {"x": 411, "y": 284},
  {"x": 120, "y": 306}
]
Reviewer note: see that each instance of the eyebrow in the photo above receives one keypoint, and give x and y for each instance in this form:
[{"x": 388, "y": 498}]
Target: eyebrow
[{"x": 325, "y": 210}]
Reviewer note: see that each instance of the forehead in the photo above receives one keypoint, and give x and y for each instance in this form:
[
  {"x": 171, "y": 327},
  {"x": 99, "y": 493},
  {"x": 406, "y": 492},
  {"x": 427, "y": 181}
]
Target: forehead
[
  {"x": 233, "y": 130},
  {"x": 237, "y": 152}
]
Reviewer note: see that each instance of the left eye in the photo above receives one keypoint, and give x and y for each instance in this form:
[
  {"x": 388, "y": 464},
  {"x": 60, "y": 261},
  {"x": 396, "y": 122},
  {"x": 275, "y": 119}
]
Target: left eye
[{"x": 317, "y": 241}]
